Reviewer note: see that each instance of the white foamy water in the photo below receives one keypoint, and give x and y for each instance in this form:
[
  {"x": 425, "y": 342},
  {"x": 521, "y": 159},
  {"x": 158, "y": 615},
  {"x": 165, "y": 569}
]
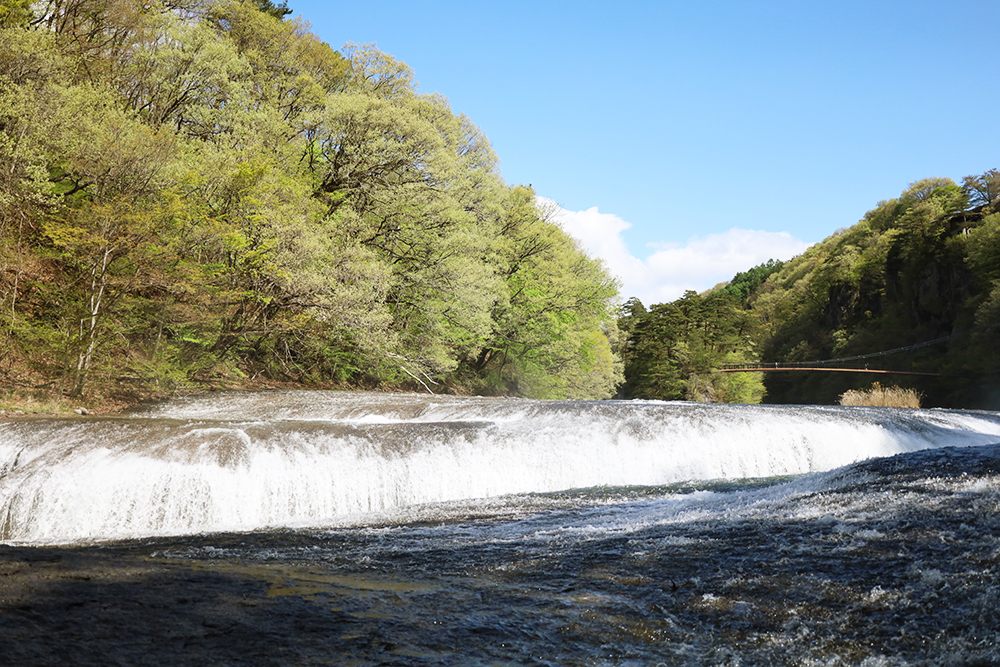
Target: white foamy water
[{"x": 236, "y": 461}]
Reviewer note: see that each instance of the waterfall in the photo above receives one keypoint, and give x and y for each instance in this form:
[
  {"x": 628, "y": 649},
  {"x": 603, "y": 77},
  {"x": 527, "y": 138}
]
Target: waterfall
[{"x": 244, "y": 461}]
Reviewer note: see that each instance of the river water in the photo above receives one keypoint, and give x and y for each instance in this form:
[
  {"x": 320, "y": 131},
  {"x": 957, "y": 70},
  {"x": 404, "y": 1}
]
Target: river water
[{"x": 419, "y": 530}]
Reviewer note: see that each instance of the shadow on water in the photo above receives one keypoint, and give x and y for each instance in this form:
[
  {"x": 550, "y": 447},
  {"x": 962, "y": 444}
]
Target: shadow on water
[
  {"x": 91, "y": 606},
  {"x": 897, "y": 567}
]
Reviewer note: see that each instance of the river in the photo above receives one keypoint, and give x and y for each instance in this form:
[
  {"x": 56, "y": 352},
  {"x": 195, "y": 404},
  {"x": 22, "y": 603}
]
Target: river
[{"x": 358, "y": 528}]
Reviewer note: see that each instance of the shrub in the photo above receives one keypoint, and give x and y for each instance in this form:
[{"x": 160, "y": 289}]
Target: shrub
[{"x": 886, "y": 397}]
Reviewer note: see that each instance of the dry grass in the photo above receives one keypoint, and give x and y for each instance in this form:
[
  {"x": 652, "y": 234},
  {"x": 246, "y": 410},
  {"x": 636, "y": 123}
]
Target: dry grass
[
  {"x": 883, "y": 397},
  {"x": 96, "y": 400},
  {"x": 25, "y": 402}
]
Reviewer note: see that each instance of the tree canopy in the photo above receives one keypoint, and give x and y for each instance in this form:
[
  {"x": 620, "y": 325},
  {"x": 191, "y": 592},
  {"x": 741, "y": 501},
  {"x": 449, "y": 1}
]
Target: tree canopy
[
  {"x": 918, "y": 278},
  {"x": 198, "y": 192}
]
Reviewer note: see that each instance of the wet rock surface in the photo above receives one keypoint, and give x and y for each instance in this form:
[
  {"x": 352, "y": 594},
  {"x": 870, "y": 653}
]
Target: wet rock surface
[
  {"x": 113, "y": 606},
  {"x": 890, "y": 562}
]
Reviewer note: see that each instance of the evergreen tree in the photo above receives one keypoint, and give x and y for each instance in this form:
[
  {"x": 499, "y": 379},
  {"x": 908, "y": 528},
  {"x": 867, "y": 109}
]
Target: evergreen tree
[{"x": 277, "y": 11}]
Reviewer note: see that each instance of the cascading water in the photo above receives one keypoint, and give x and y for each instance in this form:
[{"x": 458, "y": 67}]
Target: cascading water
[
  {"x": 316, "y": 528},
  {"x": 245, "y": 461}
]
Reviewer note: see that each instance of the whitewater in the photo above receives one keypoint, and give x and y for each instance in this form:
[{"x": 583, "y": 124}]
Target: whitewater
[{"x": 417, "y": 529}]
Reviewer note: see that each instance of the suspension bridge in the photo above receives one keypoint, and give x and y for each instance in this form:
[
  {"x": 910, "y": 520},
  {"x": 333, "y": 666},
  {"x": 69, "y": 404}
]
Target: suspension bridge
[
  {"x": 858, "y": 363},
  {"x": 810, "y": 366}
]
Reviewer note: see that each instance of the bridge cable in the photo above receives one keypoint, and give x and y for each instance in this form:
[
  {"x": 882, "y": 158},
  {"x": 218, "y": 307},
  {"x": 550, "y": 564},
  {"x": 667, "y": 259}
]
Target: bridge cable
[{"x": 858, "y": 357}]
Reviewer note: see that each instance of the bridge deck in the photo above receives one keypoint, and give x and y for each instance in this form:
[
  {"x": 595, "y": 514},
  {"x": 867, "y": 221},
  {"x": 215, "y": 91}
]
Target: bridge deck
[{"x": 764, "y": 368}]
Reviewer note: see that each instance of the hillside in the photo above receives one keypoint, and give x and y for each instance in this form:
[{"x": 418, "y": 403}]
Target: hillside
[
  {"x": 918, "y": 278},
  {"x": 198, "y": 193},
  {"x": 919, "y": 268}
]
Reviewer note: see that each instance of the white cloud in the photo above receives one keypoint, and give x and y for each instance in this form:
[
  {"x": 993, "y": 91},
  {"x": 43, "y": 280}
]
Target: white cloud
[{"x": 672, "y": 268}]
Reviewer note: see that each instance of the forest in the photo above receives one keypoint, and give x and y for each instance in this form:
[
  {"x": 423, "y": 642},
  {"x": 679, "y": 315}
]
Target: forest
[
  {"x": 201, "y": 194},
  {"x": 913, "y": 288},
  {"x": 198, "y": 194}
]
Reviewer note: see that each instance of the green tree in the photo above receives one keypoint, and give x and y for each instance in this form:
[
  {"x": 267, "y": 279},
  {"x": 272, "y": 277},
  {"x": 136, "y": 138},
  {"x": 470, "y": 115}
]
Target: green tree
[
  {"x": 15, "y": 12},
  {"x": 982, "y": 189},
  {"x": 553, "y": 334},
  {"x": 915, "y": 269},
  {"x": 192, "y": 191},
  {"x": 291, "y": 70},
  {"x": 746, "y": 282},
  {"x": 674, "y": 349},
  {"x": 416, "y": 185},
  {"x": 277, "y": 11},
  {"x": 112, "y": 177},
  {"x": 111, "y": 248}
]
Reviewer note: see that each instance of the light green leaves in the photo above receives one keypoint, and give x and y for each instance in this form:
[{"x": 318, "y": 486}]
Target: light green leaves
[{"x": 216, "y": 191}]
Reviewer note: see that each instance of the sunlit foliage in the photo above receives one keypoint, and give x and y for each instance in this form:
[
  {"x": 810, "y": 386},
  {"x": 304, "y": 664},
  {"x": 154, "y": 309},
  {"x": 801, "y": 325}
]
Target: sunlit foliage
[
  {"x": 918, "y": 278},
  {"x": 674, "y": 350},
  {"x": 201, "y": 192},
  {"x": 916, "y": 269}
]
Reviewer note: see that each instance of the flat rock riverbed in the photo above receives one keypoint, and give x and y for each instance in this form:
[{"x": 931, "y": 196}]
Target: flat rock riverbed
[
  {"x": 332, "y": 529},
  {"x": 890, "y": 562},
  {"x": 115, "y": 606}
]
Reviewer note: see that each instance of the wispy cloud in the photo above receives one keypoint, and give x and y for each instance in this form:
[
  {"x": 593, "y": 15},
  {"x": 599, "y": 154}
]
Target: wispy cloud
[{"x": 671, "y": 268}]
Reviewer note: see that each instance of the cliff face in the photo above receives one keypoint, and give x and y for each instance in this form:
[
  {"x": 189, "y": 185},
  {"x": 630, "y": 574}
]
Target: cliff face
[{"x": 935, "y": 282}]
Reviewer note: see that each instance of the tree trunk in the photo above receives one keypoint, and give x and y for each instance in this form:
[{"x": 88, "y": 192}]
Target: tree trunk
[{"x": 88, "y": 325}]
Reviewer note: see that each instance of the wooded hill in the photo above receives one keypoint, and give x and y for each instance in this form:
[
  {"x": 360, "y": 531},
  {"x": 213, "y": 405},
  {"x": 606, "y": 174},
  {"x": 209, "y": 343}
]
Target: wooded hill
[
  {"x": 918, "y": 277},
  {"x": 198, "y": 193}
]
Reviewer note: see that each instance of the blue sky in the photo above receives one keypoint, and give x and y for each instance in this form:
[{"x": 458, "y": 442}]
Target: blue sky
[{"x": 686, "y": 141}]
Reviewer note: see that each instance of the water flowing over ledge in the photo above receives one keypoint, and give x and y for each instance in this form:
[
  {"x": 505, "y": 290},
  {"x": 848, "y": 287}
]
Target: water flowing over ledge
[{"x": 245, "y": 461}]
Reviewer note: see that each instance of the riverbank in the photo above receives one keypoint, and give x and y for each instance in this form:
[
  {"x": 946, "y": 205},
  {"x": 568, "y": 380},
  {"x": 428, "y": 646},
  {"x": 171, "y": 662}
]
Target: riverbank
[
  {"x": 108, "y": 397},
  {"x": 100, "y": 400}
]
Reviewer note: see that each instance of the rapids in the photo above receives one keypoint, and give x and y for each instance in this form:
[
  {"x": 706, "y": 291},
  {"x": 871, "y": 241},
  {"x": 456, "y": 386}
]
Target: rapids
[
  {"x": 248, "y": 461},
  {"x": 316, "y": 528}
]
